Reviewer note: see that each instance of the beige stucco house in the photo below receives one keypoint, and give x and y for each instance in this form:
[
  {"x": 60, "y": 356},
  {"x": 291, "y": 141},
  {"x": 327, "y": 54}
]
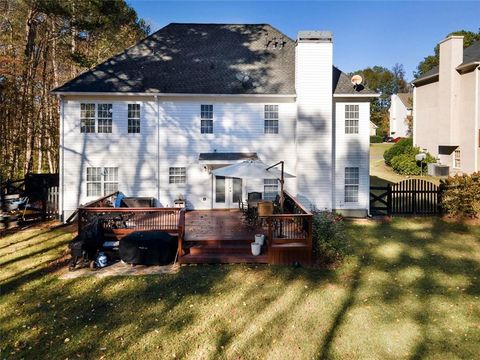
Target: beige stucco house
[{"x": 446, "y": 107}]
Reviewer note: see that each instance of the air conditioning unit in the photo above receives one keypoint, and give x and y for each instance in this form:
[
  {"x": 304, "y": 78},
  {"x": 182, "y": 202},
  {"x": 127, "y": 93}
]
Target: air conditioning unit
[{"x": 438, "y": 170}]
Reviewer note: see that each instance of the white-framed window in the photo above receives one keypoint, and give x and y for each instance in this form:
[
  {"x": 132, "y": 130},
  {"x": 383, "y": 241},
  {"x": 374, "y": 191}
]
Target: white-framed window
[
  {"x": 133, "y": 118},
  {"x": 104, "y": 117},
  {"x": 270, "y": 189},
  {"x": 271, "y": 119},
  {"x": 352, "y": 180},
  {"x": 206, "y": 119},
  {"x": 457, "y": 159},
  {"x": 177, "y": 175},
  {"x": 87, "y": 118},
  {"x": 101, "y": 181},
  {"x": 351, "y": 118}
]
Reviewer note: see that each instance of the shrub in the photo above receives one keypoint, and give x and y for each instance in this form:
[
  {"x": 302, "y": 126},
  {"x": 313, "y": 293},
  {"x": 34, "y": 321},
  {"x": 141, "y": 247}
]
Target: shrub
[
  {"x": 329, "y": 237},
  {"x": 399, "y": 148},
  {"x": 375, "y": 139},
  {"x": 406, "y": 164},
  {"x": 461, "y": 195}
]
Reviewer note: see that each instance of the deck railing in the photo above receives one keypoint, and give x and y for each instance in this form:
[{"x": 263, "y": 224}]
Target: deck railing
[
  {"x": 290, "y": 232},
  {"x": 118, "y": 222}
]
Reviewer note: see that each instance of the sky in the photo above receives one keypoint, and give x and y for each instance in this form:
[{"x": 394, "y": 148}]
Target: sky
[{"x": 366, "y": 33}]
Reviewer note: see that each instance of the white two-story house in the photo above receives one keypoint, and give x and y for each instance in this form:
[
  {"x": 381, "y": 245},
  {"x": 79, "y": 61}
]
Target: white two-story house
[
  {"x": 156, "y": 119},
  {"x": 400, "y": 110}
]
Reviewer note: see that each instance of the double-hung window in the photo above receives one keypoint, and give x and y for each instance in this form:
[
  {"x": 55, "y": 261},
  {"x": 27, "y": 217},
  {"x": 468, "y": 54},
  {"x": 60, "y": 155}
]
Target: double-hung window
[
  {"x": 104, "y": 114},
  {"x": 177, "y": 175},
  {"x": 87, "y": 118},
  {"x": 352, "y": 180},
  {"x": 95, "y": 118},
  {"x": 271, "y": 119},
  {"x": 206, "y": 119},
  {"x": 134, "y": 118},
  {"x": 351, "y": 119},
  {"x": 270, "y": 189},
  {"x": 457, "y": 159},
  {"x": 101, "y": 181}
]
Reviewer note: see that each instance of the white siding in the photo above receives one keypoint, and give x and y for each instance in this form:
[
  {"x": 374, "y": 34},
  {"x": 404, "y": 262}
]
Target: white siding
[
  {"x": 313, "y": 82},
  {"x": 351, "y": 150},
  {"x": 135, "y": 155},
  {"x": 238, "y": 126},
  {"x": 398, "y": 118}
]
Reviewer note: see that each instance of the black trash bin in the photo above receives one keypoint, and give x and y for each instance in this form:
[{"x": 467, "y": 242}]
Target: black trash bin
[{"x": 148, "y": 248}]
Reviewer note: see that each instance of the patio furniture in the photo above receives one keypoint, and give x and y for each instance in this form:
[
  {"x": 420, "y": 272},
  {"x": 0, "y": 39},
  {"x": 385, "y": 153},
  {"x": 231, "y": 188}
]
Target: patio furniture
[
  {"x": 254, "y": 196},
  {"x": 265, "y": 208}
]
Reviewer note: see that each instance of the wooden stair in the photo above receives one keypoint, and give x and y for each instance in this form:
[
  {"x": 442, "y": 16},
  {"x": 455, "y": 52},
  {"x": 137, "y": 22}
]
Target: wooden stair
[{"x": 216, "y": 251}]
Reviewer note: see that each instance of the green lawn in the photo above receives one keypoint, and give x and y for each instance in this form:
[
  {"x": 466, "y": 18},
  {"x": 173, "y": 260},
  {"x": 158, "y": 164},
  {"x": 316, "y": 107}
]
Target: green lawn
[
  {"x": 409, "y": 290},
  {"x": 381, "y": 174}
]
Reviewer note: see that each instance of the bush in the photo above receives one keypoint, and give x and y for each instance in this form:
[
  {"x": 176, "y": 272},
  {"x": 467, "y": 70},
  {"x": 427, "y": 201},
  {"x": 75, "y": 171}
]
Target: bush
[
  {"x": 375, "y": 139},
  {"x": 461, "y": 195},
  {"x": 399, "y": 148},
  {"x": 406, "y": 164},
  {"x": 329, "y": 237}
]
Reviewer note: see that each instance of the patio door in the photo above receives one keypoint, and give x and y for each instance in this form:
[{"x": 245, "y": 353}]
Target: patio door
[{"x": 227, "y": 192}]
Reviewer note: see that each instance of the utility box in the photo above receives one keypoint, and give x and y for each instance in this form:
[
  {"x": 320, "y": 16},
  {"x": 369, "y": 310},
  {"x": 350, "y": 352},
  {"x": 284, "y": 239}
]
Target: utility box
[{"x": 438, "y": 170}]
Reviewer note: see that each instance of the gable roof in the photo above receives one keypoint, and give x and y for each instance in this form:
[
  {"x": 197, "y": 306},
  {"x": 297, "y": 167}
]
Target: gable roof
[
  {"x": 202, "y": 59},
  {"x": 471, "y": 55},
  {"x": 342, "y": 84},
  {"x": 406, "y": 99}
]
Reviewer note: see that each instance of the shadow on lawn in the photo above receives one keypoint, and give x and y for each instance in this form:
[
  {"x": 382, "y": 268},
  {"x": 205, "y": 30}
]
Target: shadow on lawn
[
  {"x": 161, "y": 314},
  {"x": 425, "y": 250}
]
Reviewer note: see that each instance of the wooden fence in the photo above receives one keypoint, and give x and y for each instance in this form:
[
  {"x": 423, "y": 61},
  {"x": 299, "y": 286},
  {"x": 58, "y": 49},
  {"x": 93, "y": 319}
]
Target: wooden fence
[{"x": 408, "y": 197}]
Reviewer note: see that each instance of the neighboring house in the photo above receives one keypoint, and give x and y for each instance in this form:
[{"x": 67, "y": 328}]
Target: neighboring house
[
  {"x": 401, "y": 106},
  {"x": 446, "y": 107},
  {"x": 157, "y": 118},
  {"x": 373, "y": 128}
]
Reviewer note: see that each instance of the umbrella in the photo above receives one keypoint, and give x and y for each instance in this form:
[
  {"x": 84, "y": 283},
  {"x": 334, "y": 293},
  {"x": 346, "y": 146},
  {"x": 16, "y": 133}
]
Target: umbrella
[{"x": 255, "y": 169}]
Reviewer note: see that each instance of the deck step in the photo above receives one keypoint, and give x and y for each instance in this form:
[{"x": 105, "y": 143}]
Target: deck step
[
  {"x": 290, "y": 245},
  {"x": 219, "y": 242},
  {"x": 221, "y": 248},
  {"x": 223, "y": 259}
]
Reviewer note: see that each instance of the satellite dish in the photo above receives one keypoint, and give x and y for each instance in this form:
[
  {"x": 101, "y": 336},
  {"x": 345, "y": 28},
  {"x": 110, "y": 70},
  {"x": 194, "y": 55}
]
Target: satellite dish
[{"x": 356, "y": 80}]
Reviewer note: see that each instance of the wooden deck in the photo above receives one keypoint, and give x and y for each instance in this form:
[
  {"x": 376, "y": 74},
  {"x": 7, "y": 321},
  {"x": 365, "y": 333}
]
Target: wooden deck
[{"x": 219, "y": 236}]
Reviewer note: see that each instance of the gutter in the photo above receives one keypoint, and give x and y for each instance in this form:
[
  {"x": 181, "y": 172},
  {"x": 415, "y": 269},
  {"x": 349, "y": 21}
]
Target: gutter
[
  {"x": 462, "y": 69},
  {"x": 427, "y": 79},
  {"x": 81, "y": 93}
]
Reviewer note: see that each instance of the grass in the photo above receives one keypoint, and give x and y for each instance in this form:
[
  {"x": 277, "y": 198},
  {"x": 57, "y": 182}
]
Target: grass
[
  {"x": 409, "y": 290},
  {"x": 381, "y": 174}
]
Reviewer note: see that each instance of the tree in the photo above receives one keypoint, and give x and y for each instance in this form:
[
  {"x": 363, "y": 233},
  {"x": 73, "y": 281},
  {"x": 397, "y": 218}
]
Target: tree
[
  {"x": 44, "y": 43},
  {"x": 429, "y": 62},
  {"x": 386, "y": 83}
]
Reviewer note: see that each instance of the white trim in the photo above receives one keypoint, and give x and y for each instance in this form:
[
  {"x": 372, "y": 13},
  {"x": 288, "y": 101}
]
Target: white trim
[
  {"x": 81, "y": 93},
  {"x": 355, "y": 95}
]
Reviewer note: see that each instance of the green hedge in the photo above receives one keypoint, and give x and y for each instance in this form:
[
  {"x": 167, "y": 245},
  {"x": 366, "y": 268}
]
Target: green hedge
[
  {"x": 401, "y": 157},
  {"x": 461, "y": 195},
  {"x": 375, "y": 139},
  {"x": 397, "y": 149}
]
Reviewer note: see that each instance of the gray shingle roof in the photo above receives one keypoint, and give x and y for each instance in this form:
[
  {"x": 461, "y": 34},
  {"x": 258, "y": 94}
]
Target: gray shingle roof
[
  {"x": 203, "y": 59},
  {"x": 470, "y": 54},
  {"x": 406, "y": 99}
]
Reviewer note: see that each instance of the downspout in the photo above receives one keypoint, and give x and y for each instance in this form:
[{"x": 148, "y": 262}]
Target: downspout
[
  {"x": 477, "y": 132},
  {"x": 61, "y": 171},
  {"x": 414, "y": 113},
  {"x": 158, "y": 148}
]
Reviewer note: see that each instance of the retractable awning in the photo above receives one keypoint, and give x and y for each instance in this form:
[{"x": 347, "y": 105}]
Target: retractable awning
[{"x": 225, "y": 158}]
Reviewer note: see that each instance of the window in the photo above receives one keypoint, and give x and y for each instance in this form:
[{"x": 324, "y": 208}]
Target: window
[
  {"x": 351, "y": 184},
  {"x": 177, "y": 175},
  {"x": 87, "y": 118},
  {"x": 351, "y": 119},
  {"x": 134, "y": 118},
  {"x": 101, "y": 181},
  {"x": 457, "y": 159},
  {"x": 110, "y": 180},
  {"x": 270, "y": 189},
  {"x": 271, "y": 119},
  {"x": 206, "y": 119},
  {"x": 104, "y": 113}
]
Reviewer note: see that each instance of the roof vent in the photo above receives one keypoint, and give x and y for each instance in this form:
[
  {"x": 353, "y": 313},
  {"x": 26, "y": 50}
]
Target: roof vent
[{"x": 314, "y": 36}]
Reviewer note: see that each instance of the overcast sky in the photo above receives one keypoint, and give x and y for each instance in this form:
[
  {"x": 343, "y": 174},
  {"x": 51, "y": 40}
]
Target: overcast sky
[{"x": 366, "y": 33}]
